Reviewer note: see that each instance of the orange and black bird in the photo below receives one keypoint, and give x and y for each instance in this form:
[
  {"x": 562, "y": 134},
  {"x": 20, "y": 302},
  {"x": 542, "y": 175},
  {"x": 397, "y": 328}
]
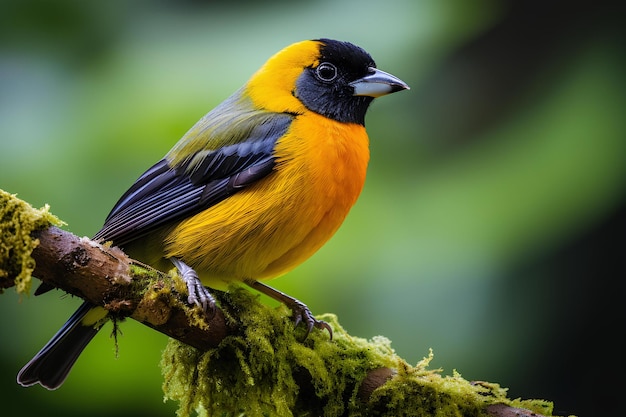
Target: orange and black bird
[{"x": 252, "y": 190}]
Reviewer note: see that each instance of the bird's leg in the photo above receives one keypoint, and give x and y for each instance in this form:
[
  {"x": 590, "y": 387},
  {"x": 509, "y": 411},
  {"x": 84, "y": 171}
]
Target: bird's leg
[
  {"x": 301, "y": 313},
  {"x": 198, "y": 293}
]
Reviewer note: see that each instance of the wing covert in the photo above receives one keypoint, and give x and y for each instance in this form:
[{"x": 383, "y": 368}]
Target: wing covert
[{"x": 168, "y": 192}]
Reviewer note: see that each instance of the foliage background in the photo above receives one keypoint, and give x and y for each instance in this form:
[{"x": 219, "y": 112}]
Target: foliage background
[{"x": 492, "y": 226}]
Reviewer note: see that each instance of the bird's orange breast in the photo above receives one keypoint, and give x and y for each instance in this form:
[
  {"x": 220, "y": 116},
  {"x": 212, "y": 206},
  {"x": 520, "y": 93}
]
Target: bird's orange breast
[{"x": 274, "y": 225}]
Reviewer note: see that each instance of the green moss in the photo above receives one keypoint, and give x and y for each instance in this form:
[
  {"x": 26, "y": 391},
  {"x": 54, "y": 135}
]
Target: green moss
[
  {"x": 18, "y": 221},
  {"x": 145, "y": 279},
  {"x": 155, "y": 287},
  {"x": 266, "y": 371}
]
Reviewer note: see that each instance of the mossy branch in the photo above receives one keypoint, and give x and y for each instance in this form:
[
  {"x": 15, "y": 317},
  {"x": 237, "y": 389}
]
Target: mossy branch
[{"x": 247, "y": 359}]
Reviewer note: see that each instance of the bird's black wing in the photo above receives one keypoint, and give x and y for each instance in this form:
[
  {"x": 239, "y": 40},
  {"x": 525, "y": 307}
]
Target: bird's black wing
[{"x": 166, "y": 193}]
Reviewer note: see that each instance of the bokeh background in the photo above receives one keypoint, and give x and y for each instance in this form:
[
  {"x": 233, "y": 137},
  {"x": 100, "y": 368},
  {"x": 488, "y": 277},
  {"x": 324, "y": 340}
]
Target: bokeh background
[{"x": 492, "y": 226}]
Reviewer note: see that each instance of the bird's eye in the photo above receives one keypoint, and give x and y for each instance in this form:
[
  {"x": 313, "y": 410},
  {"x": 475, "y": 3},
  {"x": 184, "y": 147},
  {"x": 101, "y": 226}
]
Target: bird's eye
[{"x": 326, "y": 71}]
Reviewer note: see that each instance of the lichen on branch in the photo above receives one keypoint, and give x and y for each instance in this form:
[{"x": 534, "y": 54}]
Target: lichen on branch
[
  {"x": 18, "y": 221},
  {"x": 266, "y": 370}
]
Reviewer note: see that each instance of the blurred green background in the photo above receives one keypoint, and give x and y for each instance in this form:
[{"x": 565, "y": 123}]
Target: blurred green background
[{"x": 492, "y": 226}]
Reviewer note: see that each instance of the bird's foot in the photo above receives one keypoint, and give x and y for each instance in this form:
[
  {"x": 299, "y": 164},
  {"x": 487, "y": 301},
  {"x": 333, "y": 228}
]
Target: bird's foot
[
  {"x": 302, "y": 314},
  {"x": 198, "y": 294}
]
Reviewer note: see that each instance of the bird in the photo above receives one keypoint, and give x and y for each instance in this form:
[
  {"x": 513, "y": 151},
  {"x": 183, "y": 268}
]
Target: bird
[{"x": 251, "y": 191}]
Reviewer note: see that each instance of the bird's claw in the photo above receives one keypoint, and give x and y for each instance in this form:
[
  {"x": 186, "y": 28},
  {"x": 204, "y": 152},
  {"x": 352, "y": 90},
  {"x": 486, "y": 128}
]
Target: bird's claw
[
  {"x": 198, "y": 294},
  {"x": 302, "y": 314}
]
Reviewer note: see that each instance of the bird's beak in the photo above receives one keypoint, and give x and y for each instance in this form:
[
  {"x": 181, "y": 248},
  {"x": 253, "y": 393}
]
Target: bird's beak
[{"x": 377, "y": 83}]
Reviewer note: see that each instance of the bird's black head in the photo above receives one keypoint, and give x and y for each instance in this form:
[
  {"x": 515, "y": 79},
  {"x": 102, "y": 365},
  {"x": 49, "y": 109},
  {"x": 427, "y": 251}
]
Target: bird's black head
[{"x": 344, "y": 82}]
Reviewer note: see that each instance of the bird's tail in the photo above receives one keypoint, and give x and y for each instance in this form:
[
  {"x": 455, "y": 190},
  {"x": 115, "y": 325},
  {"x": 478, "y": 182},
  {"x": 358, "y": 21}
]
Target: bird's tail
[{"x": 53, "y": 362}]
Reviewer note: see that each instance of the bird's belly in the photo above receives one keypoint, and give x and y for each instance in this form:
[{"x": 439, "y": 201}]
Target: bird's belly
[{"x": 275, "y": 224}]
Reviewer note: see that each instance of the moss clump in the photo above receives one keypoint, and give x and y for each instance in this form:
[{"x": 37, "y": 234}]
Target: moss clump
[
  {"x": 18, "y": 221},
  {"x": 160, "y": 292},
  {"x": 266, "y": 371}
]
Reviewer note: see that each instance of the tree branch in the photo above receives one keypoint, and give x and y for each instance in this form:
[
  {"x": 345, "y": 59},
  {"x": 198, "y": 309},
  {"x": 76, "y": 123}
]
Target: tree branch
[
  {"x": 105, "y": 276},
  {"x": 250, "y": 347}
]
